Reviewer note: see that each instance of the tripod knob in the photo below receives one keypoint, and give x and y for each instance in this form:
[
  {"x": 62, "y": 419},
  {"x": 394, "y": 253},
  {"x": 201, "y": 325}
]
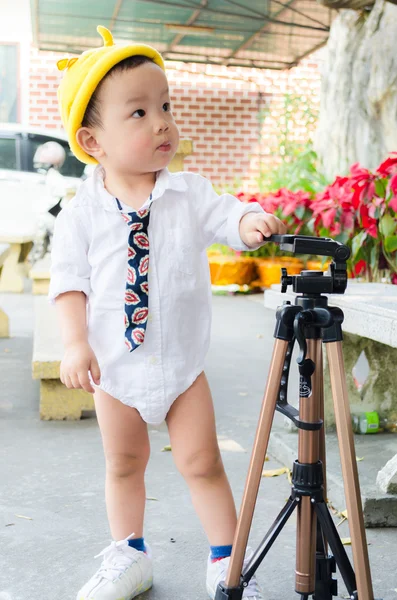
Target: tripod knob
[{"x": 286, "y": 280}]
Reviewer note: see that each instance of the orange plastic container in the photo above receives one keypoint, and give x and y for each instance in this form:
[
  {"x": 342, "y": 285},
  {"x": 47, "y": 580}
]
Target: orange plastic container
[
  {"x": 269, "y": 269},
  {"x": 226, "y": 270}
]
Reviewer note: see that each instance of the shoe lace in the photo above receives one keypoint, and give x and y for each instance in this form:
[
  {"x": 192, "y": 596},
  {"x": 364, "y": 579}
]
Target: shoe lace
[{"x": 115, "y": 561}]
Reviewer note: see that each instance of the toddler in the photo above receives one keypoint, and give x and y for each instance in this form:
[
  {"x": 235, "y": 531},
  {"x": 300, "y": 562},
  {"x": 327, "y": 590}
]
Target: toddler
[{"x": 130, "y": 280}]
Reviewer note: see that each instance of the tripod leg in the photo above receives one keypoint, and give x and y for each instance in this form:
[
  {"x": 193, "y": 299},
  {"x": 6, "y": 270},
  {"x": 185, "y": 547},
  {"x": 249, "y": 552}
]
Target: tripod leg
[
  {"x": 326, "y": 585},
  {"x": 256, "y": 464},
  {"x": 270, "y": 538},
  {"x": 338, "y": 549},
  {"x": 349, "y": 470},
  {"x": 308, "y": 453},
  {"x": 322, "y": 449}
]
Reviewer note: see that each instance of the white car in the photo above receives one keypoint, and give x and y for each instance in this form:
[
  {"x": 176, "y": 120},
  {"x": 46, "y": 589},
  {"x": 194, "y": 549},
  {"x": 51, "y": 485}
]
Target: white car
[{"x": 24, "y": 194}]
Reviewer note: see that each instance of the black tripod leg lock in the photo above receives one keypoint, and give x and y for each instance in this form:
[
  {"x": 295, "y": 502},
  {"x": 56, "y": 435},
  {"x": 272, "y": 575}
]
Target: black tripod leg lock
[{"x": 225, "y": 593}]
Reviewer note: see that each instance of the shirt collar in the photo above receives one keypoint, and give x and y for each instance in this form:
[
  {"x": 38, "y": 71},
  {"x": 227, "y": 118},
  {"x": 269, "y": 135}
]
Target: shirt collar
[{"x": 164, "y": 181}]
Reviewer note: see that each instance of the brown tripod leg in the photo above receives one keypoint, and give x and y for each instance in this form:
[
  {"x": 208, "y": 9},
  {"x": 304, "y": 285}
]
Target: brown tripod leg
[
  {"x": 349, "y": 470},
  {"x": 308, "y": 453},
  {"x": 322, "y": 450},
  {"x": 256, "y": 464}
]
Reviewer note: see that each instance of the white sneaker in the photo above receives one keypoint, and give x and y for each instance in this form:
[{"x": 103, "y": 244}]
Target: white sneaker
[
  {"x": 124, "y": 574},
  {"x": 216, "y": 572}
]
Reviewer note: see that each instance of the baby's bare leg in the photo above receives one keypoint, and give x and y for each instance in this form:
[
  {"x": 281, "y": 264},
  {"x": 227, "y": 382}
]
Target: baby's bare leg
[
  {"x": 127, "y": 449},
  {"x": 191, "y": 424}
]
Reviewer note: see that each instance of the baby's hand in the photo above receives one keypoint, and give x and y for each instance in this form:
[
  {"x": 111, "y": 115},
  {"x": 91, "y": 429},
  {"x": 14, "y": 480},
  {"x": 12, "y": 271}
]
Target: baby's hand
[
  {"x": 256, "y": 227},
  {"x": 78, "y": 360}
]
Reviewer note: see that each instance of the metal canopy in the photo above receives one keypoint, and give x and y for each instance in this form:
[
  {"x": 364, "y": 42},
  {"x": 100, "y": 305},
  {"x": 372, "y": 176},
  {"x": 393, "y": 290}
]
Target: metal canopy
[{"x": 265, "y": 34}]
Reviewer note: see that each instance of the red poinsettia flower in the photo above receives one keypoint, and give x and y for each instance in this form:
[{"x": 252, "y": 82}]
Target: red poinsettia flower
[
  {"x": 368, "y": 223},
  {"x": 363, "y": 184},
  {"x": 393, "y": 184},
  {"x": 393, "y": 203},
  {"x": 290, "y": 201},
  {"x": 389, "y": 166},
  {"x": 393, "y": 188},
  {"x": 333, "y": 209},
  {"x": 359, "y": 267}
]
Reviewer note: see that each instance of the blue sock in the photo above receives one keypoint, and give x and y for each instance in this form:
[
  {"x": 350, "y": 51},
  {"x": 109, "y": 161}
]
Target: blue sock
[
  {"x": 219, "y": 552},
  {"x": 138, "y": 544}
]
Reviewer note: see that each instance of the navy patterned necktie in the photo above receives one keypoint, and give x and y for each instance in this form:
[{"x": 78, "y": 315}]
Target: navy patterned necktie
[{"x": 136, "y": 307}]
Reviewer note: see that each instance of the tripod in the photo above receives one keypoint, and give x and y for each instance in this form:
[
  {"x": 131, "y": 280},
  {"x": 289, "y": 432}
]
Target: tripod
[{"x": 310, "y": 322}]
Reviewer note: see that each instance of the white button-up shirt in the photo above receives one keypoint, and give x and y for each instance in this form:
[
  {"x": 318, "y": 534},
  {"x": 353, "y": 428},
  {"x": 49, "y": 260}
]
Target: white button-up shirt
[{"x": 89, "y": 254}]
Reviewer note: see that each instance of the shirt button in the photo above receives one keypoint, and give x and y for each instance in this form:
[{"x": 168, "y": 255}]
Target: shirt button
[
  {"x": 150, "y": 318},
  {"x": 153, "y": 360}
]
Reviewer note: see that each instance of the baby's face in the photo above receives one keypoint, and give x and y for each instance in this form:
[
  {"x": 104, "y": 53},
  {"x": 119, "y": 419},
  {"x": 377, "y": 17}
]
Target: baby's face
[{"x": 138, "y": 133}]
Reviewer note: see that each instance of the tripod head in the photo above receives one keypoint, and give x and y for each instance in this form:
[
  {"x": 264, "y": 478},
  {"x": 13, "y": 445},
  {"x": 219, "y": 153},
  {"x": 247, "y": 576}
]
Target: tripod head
[
  {"x": 315, "y": 282},
  {"x": 310, "y": 317}
]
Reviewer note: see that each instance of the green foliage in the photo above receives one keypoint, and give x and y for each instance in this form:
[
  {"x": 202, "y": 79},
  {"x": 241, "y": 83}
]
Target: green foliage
[{"x": 300, "y": 172}]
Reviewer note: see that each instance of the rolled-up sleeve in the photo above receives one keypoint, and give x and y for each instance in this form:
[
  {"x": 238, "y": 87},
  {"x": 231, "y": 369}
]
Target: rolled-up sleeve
[
  {"x": 220, "y": 216},
  {"x": 70, "y": 270}
]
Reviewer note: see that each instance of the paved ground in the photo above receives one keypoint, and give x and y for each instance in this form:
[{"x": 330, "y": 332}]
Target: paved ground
[{"x": 53, "y": 473}]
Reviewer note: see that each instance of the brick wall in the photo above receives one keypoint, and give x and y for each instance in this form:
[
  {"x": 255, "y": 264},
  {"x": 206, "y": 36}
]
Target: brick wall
[{"x": 215, "y": 107}]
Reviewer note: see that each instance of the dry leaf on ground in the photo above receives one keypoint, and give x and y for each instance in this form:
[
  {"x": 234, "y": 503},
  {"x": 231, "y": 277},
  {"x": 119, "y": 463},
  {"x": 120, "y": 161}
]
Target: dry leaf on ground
[
  {"x": 275, "y": 472},
  {"x": 346, "y": 541}
]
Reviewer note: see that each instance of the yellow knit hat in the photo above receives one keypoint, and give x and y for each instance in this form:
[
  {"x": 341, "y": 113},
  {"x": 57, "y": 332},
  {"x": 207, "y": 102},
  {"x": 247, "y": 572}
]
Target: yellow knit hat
[{"x": 83, "y": 76}]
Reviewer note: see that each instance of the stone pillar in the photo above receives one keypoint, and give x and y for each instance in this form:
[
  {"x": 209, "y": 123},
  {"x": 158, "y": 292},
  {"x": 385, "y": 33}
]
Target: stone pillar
[
  {"x": 185, "y": 149},
  {"x": 15, "y": 267},
  {"x": 4, "y": 325}
]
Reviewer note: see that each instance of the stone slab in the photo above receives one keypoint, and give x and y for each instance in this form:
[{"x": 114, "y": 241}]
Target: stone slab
[
  {"x": 370, "y": 309},
  {"x": 41, "y": 268},
  {"x": 56, "y": 401},
  {"x": 22, "y": 236},
  {"x": 387, "y": 477},
  {"x": 4, "y": 321},
  {"x": 47, "y": 345},
  {"x": 40, "y": 275},
  {"x": 4, "y": 252}
]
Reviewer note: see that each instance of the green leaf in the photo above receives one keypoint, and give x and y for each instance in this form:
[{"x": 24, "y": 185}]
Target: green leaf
[
  {"x": 300, "y": 211},
  {"x": 357, "y": 243},
  {"x": 380, "y": 187},
  {"x": 310, "y": 227},
  {"x": 374, "y": 257},
  {"x": 343, "y": 237},
  {"x": 377, "y": 213},
  {"x": 360, "y": 255},
  {"x": 388, "y": 226},
  {"x": 391, "y": 243}
]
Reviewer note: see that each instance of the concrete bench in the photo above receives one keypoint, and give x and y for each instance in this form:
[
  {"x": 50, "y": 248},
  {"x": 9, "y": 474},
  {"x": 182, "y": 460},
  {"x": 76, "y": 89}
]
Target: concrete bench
[
  {"x": 4, "y": 323},
  {"x": 56, "y": 401},
  {"x": 40, "y": 275},
  {"x": 15, "y": 267}
]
